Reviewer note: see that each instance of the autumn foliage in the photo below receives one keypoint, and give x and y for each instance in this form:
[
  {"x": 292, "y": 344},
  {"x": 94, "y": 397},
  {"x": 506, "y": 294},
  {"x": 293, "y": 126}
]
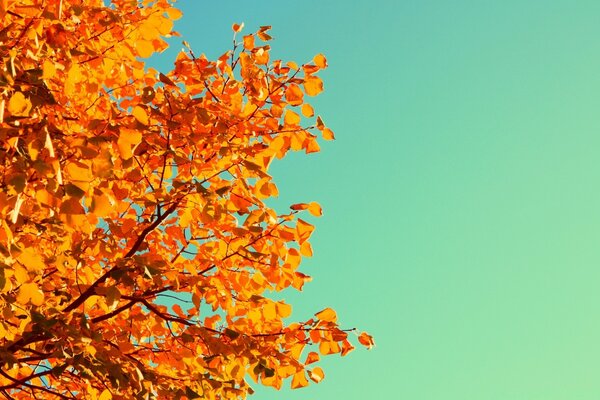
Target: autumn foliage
[{"x": 137, "y": 254}]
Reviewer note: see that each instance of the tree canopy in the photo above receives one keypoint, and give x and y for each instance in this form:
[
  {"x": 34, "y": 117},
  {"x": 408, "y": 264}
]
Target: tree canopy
[{"x": 137, "y": 254}]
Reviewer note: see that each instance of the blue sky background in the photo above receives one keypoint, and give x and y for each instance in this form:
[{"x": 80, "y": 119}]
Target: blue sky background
[{"x": 462, "y": 210}]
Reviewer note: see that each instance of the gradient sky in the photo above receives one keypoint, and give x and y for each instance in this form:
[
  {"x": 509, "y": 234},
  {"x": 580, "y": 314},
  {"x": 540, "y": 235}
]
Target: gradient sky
[{"x": 461, "y": 197}]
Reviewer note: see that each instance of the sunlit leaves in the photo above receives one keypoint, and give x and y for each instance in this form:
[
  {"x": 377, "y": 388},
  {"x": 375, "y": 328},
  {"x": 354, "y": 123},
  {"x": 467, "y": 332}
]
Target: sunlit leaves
[
  {"x": 366, "y": 340},
  {"x": 138, "y": 249},
  {"x": 320, "y": 61},
  {"x": 30, "y": 293},
  {"x": 140, "y": 115},
  {"x": 313, "y": 85},
  {"x": 316, "y": 374},
  {"x": 327, "y": 315},
  {"x": 128, "y": 140},
  {"x": 19, "y": 105},
  {"x": 294, "y": 95},
  {"x": 313, "y": 207}
]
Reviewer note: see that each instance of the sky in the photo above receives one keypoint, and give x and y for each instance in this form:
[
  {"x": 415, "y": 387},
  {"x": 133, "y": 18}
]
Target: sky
[{"x": 461, "y": 199}]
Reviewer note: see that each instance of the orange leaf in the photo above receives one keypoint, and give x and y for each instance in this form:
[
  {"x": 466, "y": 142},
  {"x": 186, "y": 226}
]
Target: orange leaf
[
  {"x": 31, "y": 260},
  {"x": 315, "y": 209},
  {"x": 320, "y": 60},
  {"x": 19, "y": 105},
  {"x": 306, "y": 249},
  {"x": 294, "y": 95},
  {"x": 101, "y": 205},
  {"x": 144, "y": 48},
  {"x": 174, "y": 13},
  {"x": 304, "y": 230},
  {"x": 128, "y": 140},
  {"x": 283, "y": 310},
  {"x": 249, "y": 42},
  {"x": 30, "y": 293},
  {"x": 366, "y": 340},
  {"x": 140, "y": 115},
  {"x": 291, "y": 118},
  {"x": 262, "y": 33},
  {"x": 105, "y": 395},
  {"x": 237, "y": 28},
  {"x": 327, "y": 315},
  {"x": 313, "y": 85},
  {"x": 312, "y": 357},
  {"x": 316, "y": 374},
  {"x": 307, "y": 110},
  {"x": 299, "y": 380},
  {"x": 311, "y": 146},
  {"x": 327, "y": 134}
]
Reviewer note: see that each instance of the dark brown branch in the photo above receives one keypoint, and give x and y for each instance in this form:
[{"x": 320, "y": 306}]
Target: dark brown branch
[
  {"x": 114, "y": 312},
  {"x": 90, "y": 291},
  {"x": 23, "y": 382}
]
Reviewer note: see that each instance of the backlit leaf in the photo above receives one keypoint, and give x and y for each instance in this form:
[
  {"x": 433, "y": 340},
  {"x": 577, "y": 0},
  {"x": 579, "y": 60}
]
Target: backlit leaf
[
  {"x": 105, "y": 395},
  {"x": 307, "y": 110},
  {"x": 327, "y": 315},
  {"x": 128, "y": 140},
  {"x": 315, "y": 209},
  {"x": 291, "y": 118},
  {"x": 140, "y": 250},
  {"x": 140, "y": 115},
  {"x": 327, "y": 134},
  {"x": 19, "y": 105},
  {"x": 30, "y": 293},
  {"x": 320, "y": 61},
  {"x": 294, "y": 95},
  {"x": 316, "y": 374},
  {"x": 237, "y": 27},
  {"x": 299, "y": 380},
  {"x": 366, "y": 340},
  {"x": 313, "y": 85}
]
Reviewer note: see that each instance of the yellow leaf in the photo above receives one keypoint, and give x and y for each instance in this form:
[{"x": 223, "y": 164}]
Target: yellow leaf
[
  {"x": 174, "y": 13},
  {"x": 128, "y": 140},
  {"x": 31, "y": 260},
  {"x": 237, "y": 27},
  {"x": 303, "y": 230},
  {"x": 366, "y": 340},
  {"x": 313, "y": 85},
  {"x": 105, "y": 395},
  {"x": 30, "y": 293},
  {"x": 320, "y": 61},
  {"x": 312, "y": 357},
  {"x": 307, "y": 110},
  {"x": 283, "y": 310},
  {"x": 327, "y": 134},
  {"x": 299, "y": 206},
  {"x": 327, "y": 315},
  {"x": 299, "y": 380},
  {"x": 315, "y": 209},
  {"x": 101, "y": 205},
  {"x": 306, "y": 249},
  {"x": 316, "y": 375},
  {"x": 140, "y": 115},
  {"x": 311, "y": 146},
  {"x": 249, "y": 42},
  {"x": 144, "y": 48},
  {"x": 48, "y": 70},
  {"x": 79, "y": 175},
  {"x": 294, "y": 95},
  {"x": 19, "y": 105},
  {"x": 291, "y": 118},
  {"x": 269, "y": 311}
]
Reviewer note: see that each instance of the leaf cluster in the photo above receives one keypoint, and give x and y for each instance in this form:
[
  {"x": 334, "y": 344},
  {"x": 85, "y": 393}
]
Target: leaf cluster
[{"x": 136, "y": 249}]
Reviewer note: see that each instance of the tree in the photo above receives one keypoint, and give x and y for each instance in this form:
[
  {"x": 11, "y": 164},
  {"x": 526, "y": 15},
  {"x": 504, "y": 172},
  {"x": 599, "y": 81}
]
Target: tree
[{"x": 137, "y": 253}]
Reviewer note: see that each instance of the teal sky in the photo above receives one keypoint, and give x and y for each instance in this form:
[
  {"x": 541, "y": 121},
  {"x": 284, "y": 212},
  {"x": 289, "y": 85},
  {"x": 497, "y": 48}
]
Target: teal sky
[{"x": 461, "y": 197}]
